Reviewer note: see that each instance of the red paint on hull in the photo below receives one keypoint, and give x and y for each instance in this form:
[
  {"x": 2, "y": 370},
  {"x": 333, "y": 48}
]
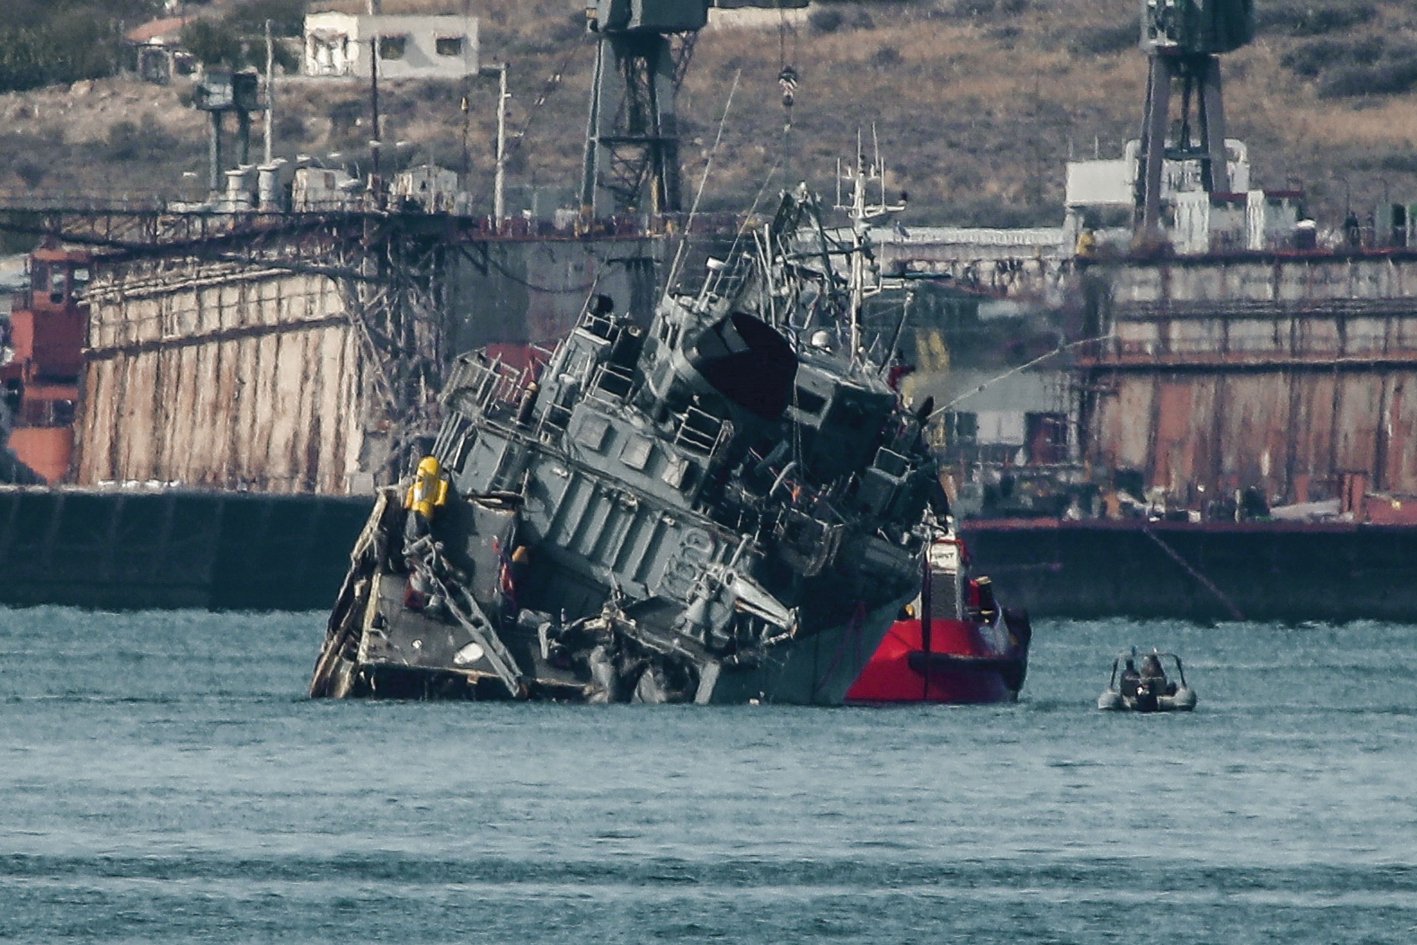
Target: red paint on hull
[{"x": 900, "y": 670}]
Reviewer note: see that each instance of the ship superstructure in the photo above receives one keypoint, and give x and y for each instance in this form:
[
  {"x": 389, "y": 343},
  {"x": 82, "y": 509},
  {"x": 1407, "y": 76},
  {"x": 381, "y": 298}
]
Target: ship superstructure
[
  {"x": 41, "y": 343},
  {"x": 725, "y": 507}
]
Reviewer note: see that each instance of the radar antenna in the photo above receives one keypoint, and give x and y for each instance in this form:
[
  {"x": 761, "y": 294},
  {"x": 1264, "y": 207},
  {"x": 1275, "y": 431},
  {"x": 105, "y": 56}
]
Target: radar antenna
[{"x": 864, "y": 276}]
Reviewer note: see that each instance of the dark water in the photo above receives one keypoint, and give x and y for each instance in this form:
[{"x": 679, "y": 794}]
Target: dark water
[{"x": 162, "y": 779}]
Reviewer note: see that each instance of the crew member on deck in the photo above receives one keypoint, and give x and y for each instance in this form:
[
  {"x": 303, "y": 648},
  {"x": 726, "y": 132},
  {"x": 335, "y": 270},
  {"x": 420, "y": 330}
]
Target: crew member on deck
[
  {"x": 426, "y": 495},
  {"x": 1131, "y": 679},
  {"x": 980, "y": 600},
  {"x": 898, "y": 371},
  {"x": 1154, "y": 677}
]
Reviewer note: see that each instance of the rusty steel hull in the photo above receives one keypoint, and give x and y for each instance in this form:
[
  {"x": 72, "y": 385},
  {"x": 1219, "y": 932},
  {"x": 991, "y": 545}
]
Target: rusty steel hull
[
  {"x": 221, "y": 375},
  {"x": 1280, "y": 373},
  {"x": 289, "y": 363}
]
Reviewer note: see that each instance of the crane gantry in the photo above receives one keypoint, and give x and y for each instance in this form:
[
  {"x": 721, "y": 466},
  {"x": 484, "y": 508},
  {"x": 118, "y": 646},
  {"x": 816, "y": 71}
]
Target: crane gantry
[{"x": 632, "y": 134}]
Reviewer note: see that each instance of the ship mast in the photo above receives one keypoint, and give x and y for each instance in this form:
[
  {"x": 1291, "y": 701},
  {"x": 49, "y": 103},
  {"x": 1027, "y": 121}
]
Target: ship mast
[
  {"x": 858, "y": 249},
  {"x": 863, "y": 217}
]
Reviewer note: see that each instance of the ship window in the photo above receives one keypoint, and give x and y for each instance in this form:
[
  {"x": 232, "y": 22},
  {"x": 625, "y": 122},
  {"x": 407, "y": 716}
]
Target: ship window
[{"x": 449, "y": 45}]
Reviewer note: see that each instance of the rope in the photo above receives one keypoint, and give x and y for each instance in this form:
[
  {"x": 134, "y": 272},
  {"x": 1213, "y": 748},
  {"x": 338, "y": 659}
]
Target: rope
[
  {"x": 1201, "y": 579},
  {"x": 703, "y": 182},
  {"x": 1011, "y": 372}
]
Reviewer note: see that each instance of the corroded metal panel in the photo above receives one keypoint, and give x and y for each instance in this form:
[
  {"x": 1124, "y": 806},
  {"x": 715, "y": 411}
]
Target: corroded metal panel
[
  {"x": 1265, "y": 429},
  {"x": 311, "y": 362},
  {"x": 1210, "y": 407},
  {"x": 1355, "y": 426},
  {"x": 1175, "y": 442},
  {"x": 210, "y": 374},
  {"x": 1246, "y": 408},
  {"x": 1311, "y": 428},
  {"x": 1273, "y": 372},
  {"x": 1126, "y": 422}
]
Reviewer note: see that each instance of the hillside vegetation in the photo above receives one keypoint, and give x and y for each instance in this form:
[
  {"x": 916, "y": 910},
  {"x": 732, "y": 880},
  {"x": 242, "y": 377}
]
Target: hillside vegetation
[{"x": 976, "y": 103}]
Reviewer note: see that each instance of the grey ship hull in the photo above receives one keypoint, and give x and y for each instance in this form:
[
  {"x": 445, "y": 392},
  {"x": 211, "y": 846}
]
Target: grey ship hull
[
  {"x": 816, "y": 669},
  {"x": 725, "y": 507},
  {"x": 378, "y": 647}
]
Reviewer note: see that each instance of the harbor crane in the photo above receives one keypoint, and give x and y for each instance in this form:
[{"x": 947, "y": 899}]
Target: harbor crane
[
  {"x": 1184, "y": 40},
  {"x": 632, "y": 133}
]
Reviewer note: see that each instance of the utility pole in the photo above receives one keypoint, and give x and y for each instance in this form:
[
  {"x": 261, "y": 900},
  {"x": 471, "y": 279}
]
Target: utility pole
[
  {"x": 375, "y": 143},
  {"x": 499, "y": 205},
  {"x": 499, "y": 200},
  {"x": 466, "y": 103},
  {"x": 270, "y": 92}
]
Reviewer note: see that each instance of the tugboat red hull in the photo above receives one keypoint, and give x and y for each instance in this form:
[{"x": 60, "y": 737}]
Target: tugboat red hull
[
  {"x": 954, "y": 644},
  {"x": 960, "y": 667}
]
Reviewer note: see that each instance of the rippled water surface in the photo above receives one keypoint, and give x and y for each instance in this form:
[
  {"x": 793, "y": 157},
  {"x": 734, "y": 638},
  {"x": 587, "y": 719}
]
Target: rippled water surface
[{"x": 165, "y": 780}]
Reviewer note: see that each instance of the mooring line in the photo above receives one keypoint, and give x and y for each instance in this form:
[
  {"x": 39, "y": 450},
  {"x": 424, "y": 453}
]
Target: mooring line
[{"x": 1201, "y": 578}]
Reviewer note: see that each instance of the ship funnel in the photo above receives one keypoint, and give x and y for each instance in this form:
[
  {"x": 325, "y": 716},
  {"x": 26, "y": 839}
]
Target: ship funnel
[{"x": 747, "y": 361}]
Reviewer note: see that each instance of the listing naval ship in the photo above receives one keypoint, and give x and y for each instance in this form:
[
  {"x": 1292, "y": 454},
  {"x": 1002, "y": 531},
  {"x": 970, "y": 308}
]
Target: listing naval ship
[{"x": 726, "y": 507}]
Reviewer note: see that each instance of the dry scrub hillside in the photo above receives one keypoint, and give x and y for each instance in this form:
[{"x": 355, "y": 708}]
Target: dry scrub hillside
[{"x": 977, "y": 103}]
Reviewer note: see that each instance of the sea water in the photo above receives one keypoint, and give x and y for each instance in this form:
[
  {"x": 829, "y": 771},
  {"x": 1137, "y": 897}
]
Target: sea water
[{"x": 164, "y": 779}]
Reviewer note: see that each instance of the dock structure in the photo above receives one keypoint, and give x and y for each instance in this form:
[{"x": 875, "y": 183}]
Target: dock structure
[
  {"x": 1258, "y": 571},
  {"x": 304, "y": 352},
  {"x": 1290, "y": 373},
  {"x": 203, "y": 549}
]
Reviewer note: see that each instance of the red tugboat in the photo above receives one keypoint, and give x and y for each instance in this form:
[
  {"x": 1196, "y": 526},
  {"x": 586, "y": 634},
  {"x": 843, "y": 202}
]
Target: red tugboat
[{"x": 953, "y": 644}]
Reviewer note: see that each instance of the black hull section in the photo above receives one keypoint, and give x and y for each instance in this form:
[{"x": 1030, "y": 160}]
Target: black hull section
[{"x": 1262, "y": 571}]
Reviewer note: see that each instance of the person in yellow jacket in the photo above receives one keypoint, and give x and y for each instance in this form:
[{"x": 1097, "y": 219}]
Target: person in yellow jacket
[
  {"x": 1086, "y": 247},
  {"x": 426, "y": 495}
]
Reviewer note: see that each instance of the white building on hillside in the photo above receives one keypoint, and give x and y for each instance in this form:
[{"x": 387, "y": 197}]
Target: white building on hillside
[{"x": 410, "y": 47}]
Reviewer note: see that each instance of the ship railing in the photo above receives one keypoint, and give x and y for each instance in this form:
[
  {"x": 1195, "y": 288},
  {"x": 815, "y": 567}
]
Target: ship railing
[
  {"x": 457, "y": 378},
  {"x": 699, "y": 432},
  {"x": 485, "y": 385},
  {"x": 616, "y": 380},
  {"x": 555, "y": 418},
  {"x": 724, "y": 280},
  {"x": 598, "y": 325}
]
